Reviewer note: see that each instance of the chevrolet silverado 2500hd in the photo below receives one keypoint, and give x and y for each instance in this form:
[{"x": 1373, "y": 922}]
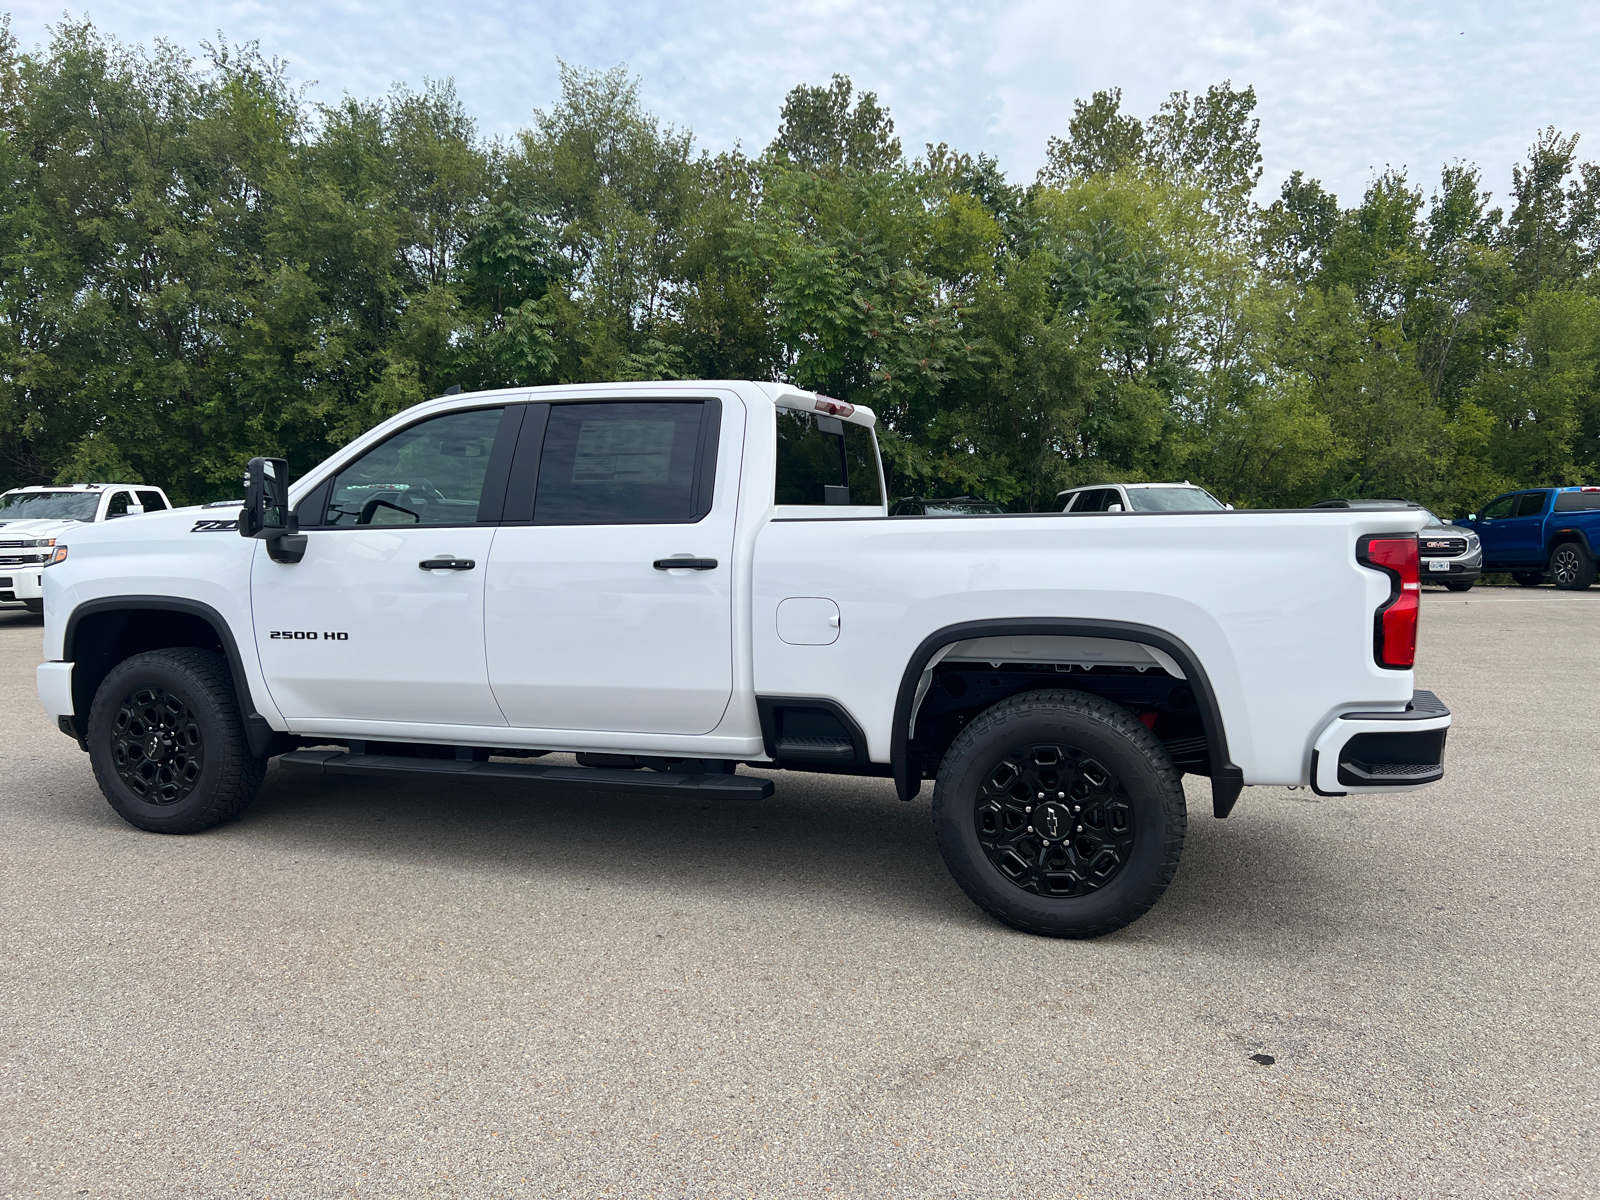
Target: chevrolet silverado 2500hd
[{"x": 672, "y": 580}]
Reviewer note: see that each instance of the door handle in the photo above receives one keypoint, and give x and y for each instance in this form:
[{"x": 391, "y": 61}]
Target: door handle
[
  {"x": 447, "y": 564},
  {"x": 686, "y": 564}
]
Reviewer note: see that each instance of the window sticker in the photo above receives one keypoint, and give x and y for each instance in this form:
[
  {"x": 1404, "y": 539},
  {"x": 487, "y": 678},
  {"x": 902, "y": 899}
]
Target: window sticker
[{"x": 612, "y": 452}]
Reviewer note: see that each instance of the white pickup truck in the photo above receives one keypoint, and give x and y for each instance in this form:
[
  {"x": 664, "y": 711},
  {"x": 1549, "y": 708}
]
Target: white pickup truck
[
  {"x": 671, "y": 580},
  {"x": 31, "y": 518}
]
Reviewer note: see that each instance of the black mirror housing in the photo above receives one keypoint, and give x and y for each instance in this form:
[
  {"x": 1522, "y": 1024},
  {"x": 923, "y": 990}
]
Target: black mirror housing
[{"x": 266, "y": 512}]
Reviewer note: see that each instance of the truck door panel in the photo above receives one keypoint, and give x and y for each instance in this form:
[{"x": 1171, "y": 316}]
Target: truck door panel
[
  {"x": 358, "y": 630},
  {"x": 1518, "y": 538},
  {"x": 586, "y": 629}
]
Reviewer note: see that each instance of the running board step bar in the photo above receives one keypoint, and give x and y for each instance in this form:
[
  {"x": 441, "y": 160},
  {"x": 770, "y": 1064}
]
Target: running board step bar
[{"x": 597, "y": 779}]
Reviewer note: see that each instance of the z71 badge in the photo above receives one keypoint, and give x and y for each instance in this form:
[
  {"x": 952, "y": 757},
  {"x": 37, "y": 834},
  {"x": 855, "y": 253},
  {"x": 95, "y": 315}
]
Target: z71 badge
[{"x": 215, "y": 527}]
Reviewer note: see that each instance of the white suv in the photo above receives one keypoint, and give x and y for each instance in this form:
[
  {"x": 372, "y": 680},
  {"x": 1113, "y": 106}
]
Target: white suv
[
  {"x": 1139, "y": 497},
  {"x": 32, "y": 517}
]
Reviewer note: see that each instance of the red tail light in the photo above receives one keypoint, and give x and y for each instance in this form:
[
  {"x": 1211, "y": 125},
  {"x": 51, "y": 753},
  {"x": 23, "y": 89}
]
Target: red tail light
[{"x": 1394, "y": 625}]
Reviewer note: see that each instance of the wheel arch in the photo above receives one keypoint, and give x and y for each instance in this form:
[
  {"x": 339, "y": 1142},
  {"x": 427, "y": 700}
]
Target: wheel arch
[
  {"x": 1227, "y": 780},
  {"x": 1563, "y": 536},
  {"x": 102, "y": 632}
]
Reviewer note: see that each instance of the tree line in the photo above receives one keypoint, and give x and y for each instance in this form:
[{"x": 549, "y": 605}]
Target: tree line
[{"x": 198, "y": 265}]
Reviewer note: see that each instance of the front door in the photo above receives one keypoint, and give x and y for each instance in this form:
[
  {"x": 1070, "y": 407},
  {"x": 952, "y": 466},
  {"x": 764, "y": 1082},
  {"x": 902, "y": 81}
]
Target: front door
[
  {"x": 1512, "y": 531},
  {"x": 588, "y": 627},
  {"x": 382, "y": 620}
]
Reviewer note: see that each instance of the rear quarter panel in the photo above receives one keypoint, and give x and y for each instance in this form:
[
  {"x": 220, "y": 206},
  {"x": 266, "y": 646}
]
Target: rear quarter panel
[{"x": 1273, "y": 605}]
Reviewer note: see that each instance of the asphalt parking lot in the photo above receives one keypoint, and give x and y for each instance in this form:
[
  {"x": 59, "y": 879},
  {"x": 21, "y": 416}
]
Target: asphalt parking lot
[{"x": 463, "y": 991}]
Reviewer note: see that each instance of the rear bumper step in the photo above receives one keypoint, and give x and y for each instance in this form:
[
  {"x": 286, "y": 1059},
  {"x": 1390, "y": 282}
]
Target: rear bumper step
[{"x": 645, "y": 783}]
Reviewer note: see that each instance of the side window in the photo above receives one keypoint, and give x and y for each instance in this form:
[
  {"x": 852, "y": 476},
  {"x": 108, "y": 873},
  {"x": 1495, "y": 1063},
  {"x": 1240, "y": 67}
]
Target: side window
[
  {"x": 429, "y": 474},
  {"x": 1094, "y": 501},
  {"x": 152, "y": 501},
  {"x": 823, "y": 460},
  {"x": 1584, "y": 501},
  {"x": 1496, "y": 509},
  {"x": 118, "y": 506},
  {"x": 631, "y": 463},
  {"x": 1530, "y": 504}
]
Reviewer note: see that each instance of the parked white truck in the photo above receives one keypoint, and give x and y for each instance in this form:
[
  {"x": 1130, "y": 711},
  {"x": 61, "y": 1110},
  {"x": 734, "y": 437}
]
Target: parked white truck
[
  {"x": 31, "y": 518},
  {"x": 671, "y": 580}
]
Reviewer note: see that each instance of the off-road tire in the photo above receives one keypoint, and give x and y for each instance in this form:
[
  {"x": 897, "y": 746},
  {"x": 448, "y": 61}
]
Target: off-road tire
[
  {"x": 1571, "y": 569},
  {"x": 1527, "y": 578},
  {"x": 228, "y": 775},
  {"x": 1087, "y": 726},
  {"x": 1458, "y": 587}
]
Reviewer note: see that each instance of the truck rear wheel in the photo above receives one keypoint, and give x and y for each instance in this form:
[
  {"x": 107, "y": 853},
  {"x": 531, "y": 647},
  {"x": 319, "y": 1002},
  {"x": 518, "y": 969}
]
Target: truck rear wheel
[
  {"x": 167, "y": 743},
  {"x": 1571, "y": 569},
  {"x": 1060, "y": 814}
]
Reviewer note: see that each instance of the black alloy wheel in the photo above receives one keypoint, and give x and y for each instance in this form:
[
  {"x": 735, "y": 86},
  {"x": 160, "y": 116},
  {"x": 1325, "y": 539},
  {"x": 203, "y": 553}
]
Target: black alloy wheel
[
  {"x": 157, "y": 746},
  {"x": 1571, "y": 569},
  {"x": 167, "y": 741},
  {"x": 1053, "y": 820},
  {"x": 1059, "y": 813}
]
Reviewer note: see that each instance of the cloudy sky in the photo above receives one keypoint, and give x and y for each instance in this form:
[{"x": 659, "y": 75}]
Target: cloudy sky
[{"x": 1345, "y": 88}]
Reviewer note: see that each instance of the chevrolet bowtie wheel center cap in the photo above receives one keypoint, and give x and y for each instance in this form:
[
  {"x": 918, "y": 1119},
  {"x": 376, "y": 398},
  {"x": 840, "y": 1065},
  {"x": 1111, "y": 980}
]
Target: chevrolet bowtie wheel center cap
[{"x": 1052, "y": 821}]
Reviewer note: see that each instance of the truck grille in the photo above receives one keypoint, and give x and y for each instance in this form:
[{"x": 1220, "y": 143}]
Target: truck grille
[
  {"x": 1437, "y": 547},
  {"x": 20, "y": 560}
]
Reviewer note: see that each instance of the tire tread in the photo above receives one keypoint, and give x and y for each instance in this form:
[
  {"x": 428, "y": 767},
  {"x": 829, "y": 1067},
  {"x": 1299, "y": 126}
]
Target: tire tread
[
  {"x": 240, "y": 773},
  {"x": 1116, "y": 720}
]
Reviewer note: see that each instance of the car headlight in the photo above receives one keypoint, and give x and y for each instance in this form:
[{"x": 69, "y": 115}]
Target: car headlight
[
  {"x": 59, "y": 554},
  {"x": 35, "y": 542}
]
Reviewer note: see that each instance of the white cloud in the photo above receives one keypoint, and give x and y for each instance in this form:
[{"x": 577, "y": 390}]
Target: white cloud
[{"x": 1344, "y": 89}]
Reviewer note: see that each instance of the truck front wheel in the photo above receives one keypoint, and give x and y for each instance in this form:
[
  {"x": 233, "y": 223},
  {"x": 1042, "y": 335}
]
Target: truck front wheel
[
  {"x": 1571, "y": 569},
  {"x": 1060, "y": 814},
  {"x": 167, "y": 743}
]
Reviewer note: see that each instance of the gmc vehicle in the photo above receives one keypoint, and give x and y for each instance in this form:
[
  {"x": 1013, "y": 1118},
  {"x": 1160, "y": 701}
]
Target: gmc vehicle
[
  {"x": 1538, "y": 531},
  {"x": 31, "y": 517},
  {"x": 674, "y": 580},
  {"x": 1450, "y": 556}
]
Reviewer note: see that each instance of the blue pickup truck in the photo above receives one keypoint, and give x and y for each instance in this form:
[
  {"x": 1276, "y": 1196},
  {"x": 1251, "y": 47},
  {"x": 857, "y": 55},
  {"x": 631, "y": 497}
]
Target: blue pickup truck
[{"x": 1541, "y": 531}]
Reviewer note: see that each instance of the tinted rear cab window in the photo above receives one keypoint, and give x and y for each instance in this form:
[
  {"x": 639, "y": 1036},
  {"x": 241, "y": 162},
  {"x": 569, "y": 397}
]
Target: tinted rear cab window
[
  {"x": 823, "y": 460},
  {"x": 1577, "y": 501}
]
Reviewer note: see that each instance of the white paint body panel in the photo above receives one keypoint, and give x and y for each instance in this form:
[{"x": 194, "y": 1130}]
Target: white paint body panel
[
  {"x": 585, "y": 634},
  {"x": 1272, "y": 605},
  {"x": 411, "y": 645},
  {"x": 54, "y": 681}
]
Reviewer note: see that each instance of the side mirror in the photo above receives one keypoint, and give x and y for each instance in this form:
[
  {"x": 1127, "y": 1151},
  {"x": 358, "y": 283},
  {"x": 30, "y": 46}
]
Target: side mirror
[
  {"x": 136, "y": 510},
  {"x": 1113, "y": 508},
  {"x": 1472, "y": 516},
  {"x": 1227, "y": 507},
  {"x": 266, "y": 512}
]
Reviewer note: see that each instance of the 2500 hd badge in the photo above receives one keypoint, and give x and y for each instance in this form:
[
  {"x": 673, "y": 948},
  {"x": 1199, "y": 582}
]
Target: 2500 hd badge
[{"x": 306, "y": 635}]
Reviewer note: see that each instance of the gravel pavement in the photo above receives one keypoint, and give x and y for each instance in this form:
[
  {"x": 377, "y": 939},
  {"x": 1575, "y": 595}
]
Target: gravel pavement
[{"x": 361, "y": 989}]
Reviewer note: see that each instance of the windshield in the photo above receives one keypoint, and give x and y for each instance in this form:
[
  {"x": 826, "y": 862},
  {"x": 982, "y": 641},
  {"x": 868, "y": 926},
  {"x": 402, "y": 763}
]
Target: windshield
[
  {"x": 1171, "y": 499},
  {"x": 49, "y": 506}
]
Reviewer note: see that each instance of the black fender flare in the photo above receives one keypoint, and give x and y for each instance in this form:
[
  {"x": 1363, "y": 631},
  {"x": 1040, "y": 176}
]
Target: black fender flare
[
  {"x": 1227, "y": 780},
  {"x": 260, "y": 735},
  {"x": 1573, "y": 534}
]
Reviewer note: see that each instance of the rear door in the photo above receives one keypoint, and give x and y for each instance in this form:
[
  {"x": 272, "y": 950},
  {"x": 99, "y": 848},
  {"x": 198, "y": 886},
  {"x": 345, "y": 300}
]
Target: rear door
[
  {"x": 587, "y": 624},
  {"x": 382, "y": 620}
]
